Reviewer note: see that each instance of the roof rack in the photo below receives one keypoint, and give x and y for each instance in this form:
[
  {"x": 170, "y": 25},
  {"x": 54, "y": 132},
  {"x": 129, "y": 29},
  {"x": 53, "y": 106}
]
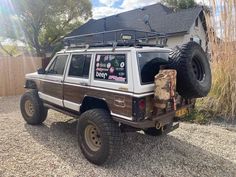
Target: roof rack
[{"x": 116, "y": 38}]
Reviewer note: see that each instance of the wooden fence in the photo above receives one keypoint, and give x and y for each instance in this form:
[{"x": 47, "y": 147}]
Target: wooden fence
[{"x": 12, "y": 73}]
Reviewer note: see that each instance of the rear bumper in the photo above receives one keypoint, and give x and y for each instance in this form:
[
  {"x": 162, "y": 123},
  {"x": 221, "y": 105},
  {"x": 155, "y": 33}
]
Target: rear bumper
[
  {"x": 148, "y": 123},
  {"x": 158, "y": 122}
]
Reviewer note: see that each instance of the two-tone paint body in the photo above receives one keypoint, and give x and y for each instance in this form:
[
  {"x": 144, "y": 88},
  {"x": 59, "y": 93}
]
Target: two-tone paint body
[{"x": 75, "y": 93}]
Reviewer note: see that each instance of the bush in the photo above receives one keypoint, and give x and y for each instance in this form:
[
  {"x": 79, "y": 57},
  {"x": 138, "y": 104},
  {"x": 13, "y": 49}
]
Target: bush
[
  {"x": 222, "y": 41},
  {"x": 196, "y": 117}
]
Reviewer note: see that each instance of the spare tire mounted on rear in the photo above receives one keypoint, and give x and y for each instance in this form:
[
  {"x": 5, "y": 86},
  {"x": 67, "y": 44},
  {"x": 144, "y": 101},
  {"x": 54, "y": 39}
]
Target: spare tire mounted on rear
[{"x": 193, "y": 70}]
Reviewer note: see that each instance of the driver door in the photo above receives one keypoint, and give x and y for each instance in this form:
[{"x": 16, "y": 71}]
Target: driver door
[{"x": 51, "y": 87}]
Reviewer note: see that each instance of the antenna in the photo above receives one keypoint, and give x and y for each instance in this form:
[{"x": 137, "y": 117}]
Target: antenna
[
  {"x": 146, "y": 19},
  {"x": 147, "y": 22}
]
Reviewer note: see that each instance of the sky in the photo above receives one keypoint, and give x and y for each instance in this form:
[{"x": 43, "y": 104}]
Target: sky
[{"x": 103, "y": 8}]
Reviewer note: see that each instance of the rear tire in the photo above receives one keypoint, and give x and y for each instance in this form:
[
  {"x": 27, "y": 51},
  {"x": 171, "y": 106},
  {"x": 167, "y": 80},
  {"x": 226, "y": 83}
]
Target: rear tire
[
  {"x": 32, "y": 109},
  {"x": 193, "y": 70},
  {"x": 98, "y": 136},
  {"x": 153, "y": 132}
]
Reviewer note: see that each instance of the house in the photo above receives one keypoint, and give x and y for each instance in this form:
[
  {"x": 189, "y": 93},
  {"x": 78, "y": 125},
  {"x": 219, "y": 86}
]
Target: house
[{"x": 180, "y": 26}]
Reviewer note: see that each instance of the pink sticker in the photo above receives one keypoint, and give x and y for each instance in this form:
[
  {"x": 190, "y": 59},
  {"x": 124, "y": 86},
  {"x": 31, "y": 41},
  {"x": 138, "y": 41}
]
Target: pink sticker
[
  {"x": 102, "y": 69},
  {"x": 98, "y": 58},
  {"x": 119, "y": 79},
  {"x": 112, "y": 69},
  {"x": 106, "y": 58}
]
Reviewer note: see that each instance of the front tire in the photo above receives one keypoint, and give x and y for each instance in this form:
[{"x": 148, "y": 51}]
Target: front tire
[
  {"x": 98, "y": 136},
  {"x": 32, "y": 109}
]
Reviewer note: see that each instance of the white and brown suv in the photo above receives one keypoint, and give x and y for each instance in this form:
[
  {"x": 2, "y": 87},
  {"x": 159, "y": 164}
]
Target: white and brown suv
[{"x": 113, "y": 89}]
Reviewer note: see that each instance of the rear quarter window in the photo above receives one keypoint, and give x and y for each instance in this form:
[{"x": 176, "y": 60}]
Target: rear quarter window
[
  {"x": 111, "y": 67},
  {"x": 149, "y": 65}
]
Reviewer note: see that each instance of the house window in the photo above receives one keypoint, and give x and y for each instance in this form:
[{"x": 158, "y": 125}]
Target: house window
[
  {"x": 196, "y": 22},
  {"x": 197, "y": 40},
  {"x": 79, "y": 66}
]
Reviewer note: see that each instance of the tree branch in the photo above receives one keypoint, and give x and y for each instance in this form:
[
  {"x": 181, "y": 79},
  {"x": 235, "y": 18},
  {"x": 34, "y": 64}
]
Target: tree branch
[
  {"x": 55, "y": 39},
  {"x": 5, "y": 50}
]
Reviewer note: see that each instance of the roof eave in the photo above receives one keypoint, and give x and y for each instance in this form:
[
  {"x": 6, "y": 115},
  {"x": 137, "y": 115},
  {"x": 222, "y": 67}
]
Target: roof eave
[{"x": 180, "y": 33}]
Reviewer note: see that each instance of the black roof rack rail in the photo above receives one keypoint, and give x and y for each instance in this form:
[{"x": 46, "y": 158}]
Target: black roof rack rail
[{"x": 115, "y": 38}]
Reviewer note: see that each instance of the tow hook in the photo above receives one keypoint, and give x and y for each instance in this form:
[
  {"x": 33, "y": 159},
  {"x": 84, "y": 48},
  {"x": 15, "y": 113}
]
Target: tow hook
[{"x": 158, "y": 126}]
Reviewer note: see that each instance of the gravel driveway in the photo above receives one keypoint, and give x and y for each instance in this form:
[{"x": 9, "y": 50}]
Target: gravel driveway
[{"x": 51, "y": 150}]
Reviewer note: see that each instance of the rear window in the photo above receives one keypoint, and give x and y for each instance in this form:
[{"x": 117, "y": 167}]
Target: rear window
[
  {"x": 111, "y": 67},
  {"x": 149, "y": 65}
]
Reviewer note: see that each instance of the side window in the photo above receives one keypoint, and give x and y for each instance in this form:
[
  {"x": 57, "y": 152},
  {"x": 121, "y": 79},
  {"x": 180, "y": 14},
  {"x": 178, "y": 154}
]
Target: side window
[
  {"x": 58, "y": 65},
  {"x": 111, "y": 67},
  {"x": 79, "y": 66}
]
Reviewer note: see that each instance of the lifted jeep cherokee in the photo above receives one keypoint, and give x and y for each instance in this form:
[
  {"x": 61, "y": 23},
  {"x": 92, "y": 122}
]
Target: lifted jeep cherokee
[{"x": 126, "y": 85}]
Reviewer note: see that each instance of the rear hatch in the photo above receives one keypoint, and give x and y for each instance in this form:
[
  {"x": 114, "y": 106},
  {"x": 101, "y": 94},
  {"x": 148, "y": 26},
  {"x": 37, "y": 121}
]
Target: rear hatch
[{"x": 150, "y": 63}]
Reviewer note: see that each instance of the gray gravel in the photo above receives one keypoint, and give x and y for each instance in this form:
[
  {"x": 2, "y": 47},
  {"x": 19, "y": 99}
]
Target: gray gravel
[{"x": 52, "y": 150}]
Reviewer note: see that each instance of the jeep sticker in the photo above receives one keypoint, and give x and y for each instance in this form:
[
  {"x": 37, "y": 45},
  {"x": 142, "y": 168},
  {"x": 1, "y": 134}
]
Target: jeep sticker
[{"x": 101, "y": 75}]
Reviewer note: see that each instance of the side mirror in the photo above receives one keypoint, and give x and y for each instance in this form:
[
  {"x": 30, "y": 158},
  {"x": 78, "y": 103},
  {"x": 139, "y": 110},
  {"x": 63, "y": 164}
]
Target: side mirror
[{"x": 41, "y": 71}]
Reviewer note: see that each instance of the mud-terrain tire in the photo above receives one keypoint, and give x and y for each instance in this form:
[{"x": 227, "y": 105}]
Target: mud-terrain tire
[
  {"x": 153, "y": 132},
  {"x": 193, "y": 70},
  {"x": 32, "y": 108},
  {"x": 99, "y": 136}
]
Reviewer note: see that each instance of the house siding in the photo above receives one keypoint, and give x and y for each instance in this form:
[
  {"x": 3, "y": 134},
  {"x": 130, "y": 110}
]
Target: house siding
[
  {"x": 198, "y": 32},
  {"x": 194, "y": 32},
  {"x": 173, "y": 41}
]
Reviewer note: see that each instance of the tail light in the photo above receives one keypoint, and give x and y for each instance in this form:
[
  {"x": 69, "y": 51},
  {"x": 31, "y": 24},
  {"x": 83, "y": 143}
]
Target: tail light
[
  {"x": 139, "y": 108},
  {"x": 143, "y": 107},
  {"x": 142, "y": 104}
]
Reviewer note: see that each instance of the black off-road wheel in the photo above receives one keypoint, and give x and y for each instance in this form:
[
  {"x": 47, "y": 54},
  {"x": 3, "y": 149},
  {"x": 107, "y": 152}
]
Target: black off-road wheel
[
  {"x": 32, "y": 108},
  {"x": 153, "y": 132},
  {"x": 193, "y": 70},
  {"x": 98, "y": 136}
]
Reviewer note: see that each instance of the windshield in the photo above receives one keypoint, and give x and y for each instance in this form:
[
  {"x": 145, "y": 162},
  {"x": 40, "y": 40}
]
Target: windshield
[{"x": 149, "y": 65}]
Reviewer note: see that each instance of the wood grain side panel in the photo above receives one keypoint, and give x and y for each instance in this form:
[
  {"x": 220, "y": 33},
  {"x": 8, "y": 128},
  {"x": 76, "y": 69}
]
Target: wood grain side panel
[
  {"x": 51, "y": 89},
  {"x": 118, "y": 103},
  {"x": 125, "y": 102},
  {"x": 74, "y": 94}
]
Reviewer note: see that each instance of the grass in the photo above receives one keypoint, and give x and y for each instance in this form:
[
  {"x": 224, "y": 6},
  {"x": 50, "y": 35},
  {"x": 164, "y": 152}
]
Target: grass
[
  {"x": 221, "y": 101},
  {"x": 221, "y": 32},
  {"x": 197, "y": 116}
]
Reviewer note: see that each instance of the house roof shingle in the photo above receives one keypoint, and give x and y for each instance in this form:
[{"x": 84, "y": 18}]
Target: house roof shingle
[{"x": 161, "y": 18}]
